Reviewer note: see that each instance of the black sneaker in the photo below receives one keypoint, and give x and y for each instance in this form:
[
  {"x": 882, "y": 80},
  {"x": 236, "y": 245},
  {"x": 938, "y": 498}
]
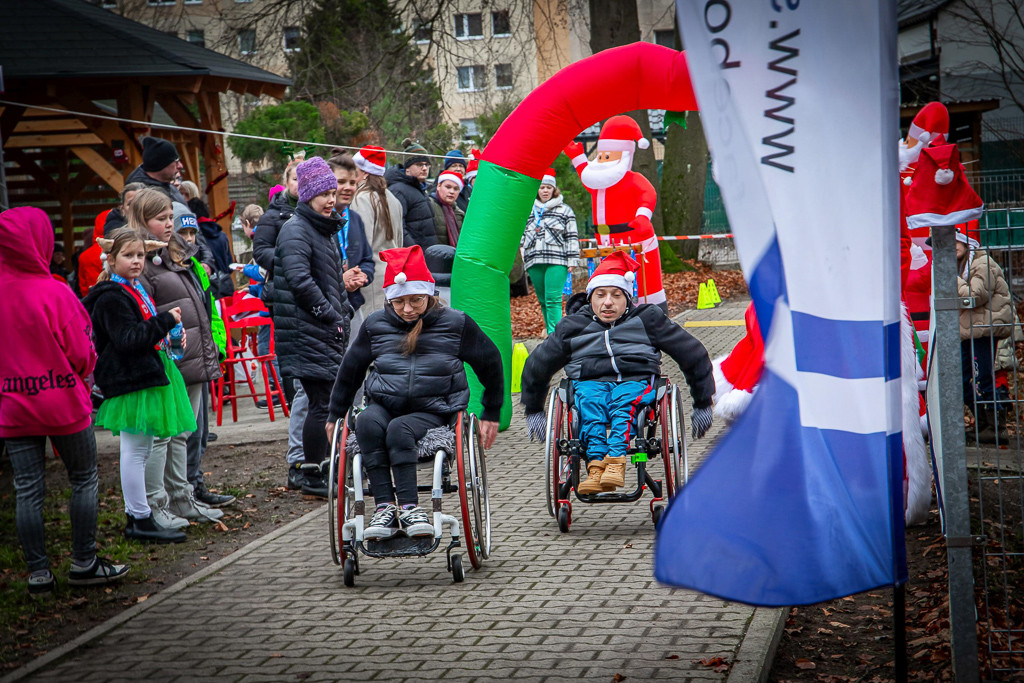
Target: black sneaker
[
  {"x": 203, "y": 495},
  {"x": 295, "y": 477},
  {"x": 40, "y": 582},
  {"x": 383, "y": 524},
  {"x": 314, "y": 481},
  {"x": 211, "y": 437},
  {"x": 102, "y": 571},
  {"x": 414, "y": 522}
]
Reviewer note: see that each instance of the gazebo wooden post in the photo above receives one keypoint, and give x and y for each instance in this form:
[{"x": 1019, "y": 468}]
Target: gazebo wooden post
[{"x": 216, "y": 166}]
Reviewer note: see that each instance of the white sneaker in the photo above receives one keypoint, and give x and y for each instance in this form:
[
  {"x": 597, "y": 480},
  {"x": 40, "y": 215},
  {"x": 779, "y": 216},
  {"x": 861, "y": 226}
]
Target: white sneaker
[
  {"x": 166, "y": 519},
  {"x": 193, "y": 510}
]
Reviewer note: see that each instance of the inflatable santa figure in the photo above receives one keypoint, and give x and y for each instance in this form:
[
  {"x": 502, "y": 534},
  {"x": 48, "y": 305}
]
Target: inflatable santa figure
[{"x": 623, "y": 200}]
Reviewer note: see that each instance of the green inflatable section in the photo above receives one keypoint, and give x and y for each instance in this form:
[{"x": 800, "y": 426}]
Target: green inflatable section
[{"x": 501, "y": 205}]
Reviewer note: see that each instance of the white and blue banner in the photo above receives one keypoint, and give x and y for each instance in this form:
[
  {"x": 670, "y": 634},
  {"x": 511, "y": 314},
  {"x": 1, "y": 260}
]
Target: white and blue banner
[{"x": 802, "y": 500}]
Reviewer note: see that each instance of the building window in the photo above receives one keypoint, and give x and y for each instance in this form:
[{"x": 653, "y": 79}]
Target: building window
[
  {"x": 422, "y": 31},
  {"x": 469, "y": 26},
  {"x": 503, "y": 76},
  {"x": 469, "y": 129},
  {"x": 159, "y": 3},
  {"x": 471, "y": 78},
  {"x": 247, "y": 41},
  {"x": 193, "y": 2},
  {"x": 291, "y": 38},
  {"x": 666, "y": 37},
  {"x": 196, "y": 37},
  {"x": 500, "y": 25}
]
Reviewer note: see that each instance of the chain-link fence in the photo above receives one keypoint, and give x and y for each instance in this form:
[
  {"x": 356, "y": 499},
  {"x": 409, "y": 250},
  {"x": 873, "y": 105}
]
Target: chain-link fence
[{"x": 991, "y": 285}]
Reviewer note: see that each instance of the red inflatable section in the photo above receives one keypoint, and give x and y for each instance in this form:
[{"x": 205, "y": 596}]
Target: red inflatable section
[{"x": 627, "y": 78}]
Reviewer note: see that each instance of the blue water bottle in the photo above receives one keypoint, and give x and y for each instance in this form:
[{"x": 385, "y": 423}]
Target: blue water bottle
[{"x": 176, "y": 348}]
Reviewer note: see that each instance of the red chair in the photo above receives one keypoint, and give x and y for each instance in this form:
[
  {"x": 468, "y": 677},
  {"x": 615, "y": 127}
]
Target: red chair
[{"x": 243, "y": 313}]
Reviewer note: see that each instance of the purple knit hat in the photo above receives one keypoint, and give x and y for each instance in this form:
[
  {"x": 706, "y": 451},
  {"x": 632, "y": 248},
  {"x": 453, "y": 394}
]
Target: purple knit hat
[{"x": 315, "y": 177}]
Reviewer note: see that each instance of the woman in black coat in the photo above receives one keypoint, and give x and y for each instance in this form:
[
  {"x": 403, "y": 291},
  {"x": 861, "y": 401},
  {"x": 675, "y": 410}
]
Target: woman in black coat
[
  {"x": 311, "y": 310},
  {"x": 418, "y": 348}
]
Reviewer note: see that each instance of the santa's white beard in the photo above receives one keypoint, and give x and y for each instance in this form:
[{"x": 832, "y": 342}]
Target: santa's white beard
[
  {"x": 600, "y": 176},
  {"x": 909, "y": 155}
]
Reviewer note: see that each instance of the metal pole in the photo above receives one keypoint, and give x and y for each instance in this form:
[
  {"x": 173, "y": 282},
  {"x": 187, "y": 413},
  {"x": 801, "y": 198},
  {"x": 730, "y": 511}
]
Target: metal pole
[{"x": 945, "y": 412}]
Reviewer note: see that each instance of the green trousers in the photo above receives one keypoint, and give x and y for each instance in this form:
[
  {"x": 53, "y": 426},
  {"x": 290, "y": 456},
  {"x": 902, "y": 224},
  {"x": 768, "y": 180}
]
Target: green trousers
[{"x": 548, "y": 281}]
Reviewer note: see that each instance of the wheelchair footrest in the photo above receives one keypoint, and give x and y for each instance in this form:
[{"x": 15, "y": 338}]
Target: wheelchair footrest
[
  {"x": 611, "y": 496},
  {"x": 400, "y": 546}
]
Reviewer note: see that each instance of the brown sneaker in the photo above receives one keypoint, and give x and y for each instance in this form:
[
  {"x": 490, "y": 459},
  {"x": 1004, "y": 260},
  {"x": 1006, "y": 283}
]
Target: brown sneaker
[
  {"x": 595, "y": 469},
  {"x": 614, "y": 473}
]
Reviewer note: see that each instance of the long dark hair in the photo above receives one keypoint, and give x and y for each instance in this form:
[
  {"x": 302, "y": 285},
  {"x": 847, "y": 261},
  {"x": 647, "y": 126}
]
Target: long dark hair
[
  {"x": 377, "y": 187},
  {"x": 409, "y": 343}
]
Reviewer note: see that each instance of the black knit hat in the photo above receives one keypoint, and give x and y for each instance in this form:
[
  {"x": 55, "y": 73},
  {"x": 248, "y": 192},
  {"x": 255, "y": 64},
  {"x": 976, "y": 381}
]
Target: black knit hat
[
  {"x": 417, "y": 153},
  {"x": 157, "y": 154}
]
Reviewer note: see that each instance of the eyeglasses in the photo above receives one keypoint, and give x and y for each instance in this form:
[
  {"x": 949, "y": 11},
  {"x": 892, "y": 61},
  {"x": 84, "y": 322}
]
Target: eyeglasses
[{"x": 409, "y": 302}]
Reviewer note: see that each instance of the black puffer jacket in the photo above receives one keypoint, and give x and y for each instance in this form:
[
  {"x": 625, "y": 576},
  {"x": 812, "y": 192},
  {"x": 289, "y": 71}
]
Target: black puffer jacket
[
  {"x": 128, "y": 360},
  {"x": 627, "y": 349},
  {"x": 114, "y": 221},
  {"x": 264, "y": 238},
  {"x": 417, "y": 214},
  {"x": 311, "y": 309},
  {"x": 432, "y": 379}
]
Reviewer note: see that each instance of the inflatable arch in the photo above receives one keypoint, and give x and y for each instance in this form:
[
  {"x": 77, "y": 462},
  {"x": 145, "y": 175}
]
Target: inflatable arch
[{"x": 629, "y": 78}]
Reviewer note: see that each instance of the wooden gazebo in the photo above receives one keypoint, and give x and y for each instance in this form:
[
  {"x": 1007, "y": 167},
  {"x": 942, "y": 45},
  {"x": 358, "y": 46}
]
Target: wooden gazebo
[{"x": 71, "y": 56}]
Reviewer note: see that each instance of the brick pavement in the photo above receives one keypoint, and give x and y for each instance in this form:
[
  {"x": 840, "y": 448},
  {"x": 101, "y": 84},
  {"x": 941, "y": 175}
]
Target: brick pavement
[{"x": 547, "y": 606}]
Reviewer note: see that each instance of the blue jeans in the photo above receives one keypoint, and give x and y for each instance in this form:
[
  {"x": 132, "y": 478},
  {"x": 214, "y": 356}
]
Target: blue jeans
[
  {"x": 613, "y": 405},
  {"x": 28, "y": 460}
]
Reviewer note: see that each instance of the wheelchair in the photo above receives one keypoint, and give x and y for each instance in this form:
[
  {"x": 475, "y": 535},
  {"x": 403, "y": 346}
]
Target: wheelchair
[
  {"x": 455, "y": 455},
  {"x": 658, "y": 431}
]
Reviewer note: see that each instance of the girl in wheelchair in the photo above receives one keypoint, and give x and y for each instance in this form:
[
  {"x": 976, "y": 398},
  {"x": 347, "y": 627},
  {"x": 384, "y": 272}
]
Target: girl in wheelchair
[
  {"x": 417, "y": 347},
  {"x": 611, "y": 349}
]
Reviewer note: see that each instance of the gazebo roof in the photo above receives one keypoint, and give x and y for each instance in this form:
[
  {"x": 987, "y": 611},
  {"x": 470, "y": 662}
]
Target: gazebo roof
[{"x": 56, "y": 39}]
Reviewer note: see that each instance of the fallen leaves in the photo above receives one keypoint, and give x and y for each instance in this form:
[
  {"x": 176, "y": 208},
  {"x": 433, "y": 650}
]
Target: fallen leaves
[
  {"x": 716, "y": 664},
  {"x": 805, "y": 664}
]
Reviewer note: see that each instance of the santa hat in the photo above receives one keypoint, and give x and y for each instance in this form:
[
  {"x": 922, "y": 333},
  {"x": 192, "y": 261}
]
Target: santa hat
[
  {"x": 939, "y": 193},
  {"x": 617, "y": 270},
  {"x": 451, "y": 176},
  {"x": 474, "y": 163},
  {"x": 931, "y": 122},
  {"x": 620, "y": 134},
  {"x": 371, "y": 159},
  {"x": 406, "y": 272},
  {"x": 737, "y": 375},
  {"x": 549, "y": 178}
]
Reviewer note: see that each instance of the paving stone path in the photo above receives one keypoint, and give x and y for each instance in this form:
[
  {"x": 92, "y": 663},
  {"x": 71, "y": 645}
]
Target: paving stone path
[{"x": 547, "y": 606}]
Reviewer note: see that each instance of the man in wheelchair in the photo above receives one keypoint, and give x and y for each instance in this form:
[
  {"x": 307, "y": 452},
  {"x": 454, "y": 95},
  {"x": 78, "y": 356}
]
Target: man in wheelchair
[
  {"x": 611, "y": 350},
  {"x": 417, "y": 347}
]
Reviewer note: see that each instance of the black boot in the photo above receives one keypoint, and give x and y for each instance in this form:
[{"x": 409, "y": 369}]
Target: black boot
[
  {"x": 992, "y": 426},
  {"x": 147, "y": 530},
  {"x": 295, "y": 477},
  {"x": 316, "y": 476},
  {"x": 203, "y": 495}
]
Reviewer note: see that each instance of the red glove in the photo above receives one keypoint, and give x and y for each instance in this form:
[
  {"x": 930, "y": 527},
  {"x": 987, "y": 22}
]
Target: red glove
[
  {"x": 642, "y": 225},
  {"x": 574, "y": 149}
]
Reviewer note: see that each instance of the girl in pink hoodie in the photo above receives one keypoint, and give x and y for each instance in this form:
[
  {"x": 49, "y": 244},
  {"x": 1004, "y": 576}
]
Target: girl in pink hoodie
[{"x": 47, "y": 355}]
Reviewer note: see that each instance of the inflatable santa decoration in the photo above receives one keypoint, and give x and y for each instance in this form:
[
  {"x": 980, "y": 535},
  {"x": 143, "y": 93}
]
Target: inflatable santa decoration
[{"x": 623, "y": 200}]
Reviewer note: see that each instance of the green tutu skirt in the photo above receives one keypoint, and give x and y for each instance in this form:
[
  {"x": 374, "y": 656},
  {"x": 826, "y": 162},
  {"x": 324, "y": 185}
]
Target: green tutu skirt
[{"x": 160, "y": 411}]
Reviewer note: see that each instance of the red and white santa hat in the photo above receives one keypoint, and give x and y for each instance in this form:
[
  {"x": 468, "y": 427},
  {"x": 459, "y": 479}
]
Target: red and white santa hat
[
  {"x": 621, "y": 134},
  {"x": 451, "y": 176},
  {"x": 474, "y": 163},
  {"x": 930, "y": 123},
  {"x": 939, "y": 193},
  {"x": 371, "y": 159},
  {"x": 549, "y": 178},
  {"x": 616, "y": 270},
  {"x": 406, "y": 272},
  {"x": 737, "y": 374}
]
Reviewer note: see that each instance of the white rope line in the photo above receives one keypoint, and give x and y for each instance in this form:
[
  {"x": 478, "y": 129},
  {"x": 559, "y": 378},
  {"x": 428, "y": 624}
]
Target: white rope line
[{"x": 150, "y": 124}]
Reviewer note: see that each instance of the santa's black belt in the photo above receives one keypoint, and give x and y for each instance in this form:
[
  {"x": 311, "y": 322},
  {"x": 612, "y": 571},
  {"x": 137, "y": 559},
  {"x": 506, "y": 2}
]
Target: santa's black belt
[{"x": 614, "y": 229}]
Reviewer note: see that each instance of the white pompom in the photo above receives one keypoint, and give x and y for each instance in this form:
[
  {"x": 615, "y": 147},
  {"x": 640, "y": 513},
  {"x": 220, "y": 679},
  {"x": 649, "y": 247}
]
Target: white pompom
[
  {"x": 944, "y": 176},
  {"x": 103, "y": 256},
  {"x": 629, "y": 276},
  {"x": 401, "y": 279},
  {"x": 908, "y": 181},
  {"x": 157, "y": 260},
  {"x": 643, "y": 143}
]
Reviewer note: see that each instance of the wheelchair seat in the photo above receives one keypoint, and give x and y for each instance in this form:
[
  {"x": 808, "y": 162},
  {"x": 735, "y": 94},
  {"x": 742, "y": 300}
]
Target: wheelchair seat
[
  {"x": 436, "y": 438},
  {"x": 566, "y": 394}
]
